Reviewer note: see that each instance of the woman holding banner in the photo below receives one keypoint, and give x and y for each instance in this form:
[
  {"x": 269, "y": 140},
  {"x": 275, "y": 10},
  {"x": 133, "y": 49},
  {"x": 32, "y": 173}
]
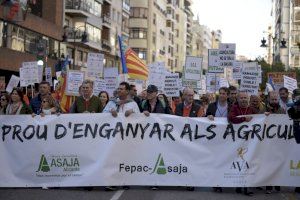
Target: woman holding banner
[{"x": 17, "y": 106}]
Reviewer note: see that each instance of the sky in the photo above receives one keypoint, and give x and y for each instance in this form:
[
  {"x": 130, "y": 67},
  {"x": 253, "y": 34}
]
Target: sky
[{"x": 241, "y": 21}]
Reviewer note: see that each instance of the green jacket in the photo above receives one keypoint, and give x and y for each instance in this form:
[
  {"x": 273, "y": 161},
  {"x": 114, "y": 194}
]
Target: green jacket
[{"x": 92, "y": 105}]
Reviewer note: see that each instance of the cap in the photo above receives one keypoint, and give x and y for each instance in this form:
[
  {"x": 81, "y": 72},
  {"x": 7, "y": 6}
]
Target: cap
[
  {"x": 296, "y": 92},
  {"x": 152, "y": 88}
]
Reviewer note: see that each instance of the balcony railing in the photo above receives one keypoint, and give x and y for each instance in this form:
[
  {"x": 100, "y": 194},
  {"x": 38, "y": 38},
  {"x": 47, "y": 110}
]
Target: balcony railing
[
  {"x": 81, "y": 6},
  {"x": 106, "y": 19},
  {"x": 106, "y": 45}
]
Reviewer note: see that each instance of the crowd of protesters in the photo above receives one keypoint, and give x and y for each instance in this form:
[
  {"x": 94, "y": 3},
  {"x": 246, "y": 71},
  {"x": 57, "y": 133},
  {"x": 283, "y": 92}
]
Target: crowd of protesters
[{"x": 227, "y": 103}]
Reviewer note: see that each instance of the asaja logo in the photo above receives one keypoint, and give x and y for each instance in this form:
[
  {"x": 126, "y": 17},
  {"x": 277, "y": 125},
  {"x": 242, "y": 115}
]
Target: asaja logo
[
  {"x": 66, "y": 163},
  {"x": 241, "y": 164},
  {"x": 159, "y": 168},
  {"x": 44, "y": 167},
  {"x": 295, "y": 168}
]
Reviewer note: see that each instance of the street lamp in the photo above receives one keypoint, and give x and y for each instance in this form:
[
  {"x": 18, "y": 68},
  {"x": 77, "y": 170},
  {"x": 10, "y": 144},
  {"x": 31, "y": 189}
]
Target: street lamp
[
  {"x": 74, "y": 31},
  {"x": 270, "y": 37}
]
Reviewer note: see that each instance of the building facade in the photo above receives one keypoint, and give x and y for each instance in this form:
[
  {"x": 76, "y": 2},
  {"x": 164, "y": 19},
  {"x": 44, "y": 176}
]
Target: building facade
[{"x": 20, "y": 37}]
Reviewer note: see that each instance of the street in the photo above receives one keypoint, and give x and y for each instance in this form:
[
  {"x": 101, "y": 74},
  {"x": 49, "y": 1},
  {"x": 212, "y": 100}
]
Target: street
[{"x": 135, "y": 193}]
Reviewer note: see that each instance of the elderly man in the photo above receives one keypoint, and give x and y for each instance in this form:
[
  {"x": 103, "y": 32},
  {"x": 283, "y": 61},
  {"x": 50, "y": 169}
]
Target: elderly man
[
  {"x": 188, "y": 108},
  {"x": 241, "y": 108},
  {"x": 123, "y": 104},
  {"x": 87, "y": 102},
  {"x": 256, "y": 104},
  {"x": 273, "y": 106}
]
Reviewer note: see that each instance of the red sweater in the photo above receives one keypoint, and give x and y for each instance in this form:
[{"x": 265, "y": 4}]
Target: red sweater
[{"x": 236, "y": 110}]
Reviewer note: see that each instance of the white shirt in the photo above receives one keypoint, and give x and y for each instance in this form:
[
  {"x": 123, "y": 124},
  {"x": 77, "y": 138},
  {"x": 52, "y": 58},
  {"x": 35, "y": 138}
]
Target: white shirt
[{"x": 123, "y": 108}]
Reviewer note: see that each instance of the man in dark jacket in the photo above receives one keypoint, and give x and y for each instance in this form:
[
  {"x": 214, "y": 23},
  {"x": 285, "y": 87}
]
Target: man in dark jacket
[
  {"x": 36, "y": 102},
  {"x": 153, "y": 104},
  {"x": 220, "y": 108}
]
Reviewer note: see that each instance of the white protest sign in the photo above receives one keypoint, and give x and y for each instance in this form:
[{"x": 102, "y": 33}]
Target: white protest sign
[
  {"x": 48, "y": 75},
  {"x": 40, "y": 73},
  {"x": 99, "y": 85},
  {"x": 214, "y": 61},
  {"x": 111, "y": 72},
  {"x": 193, "y": 68},
  {"x": 74, "y": 81},
  {"x": 95, "y": 65},
  {"x": 212, "y": 82},
  {"x": 223, "y": 82},
  {"x": 29, "y": 74},
  {"x": 237, "y": 70},
  {"x": 157, "y": 75},
  {"x": 249, "y": 81},
  {"x": 111, "y": 85},
  {"x": 289, "y": 83},
  {"x": 171, "y": 86},
  {"x": 227, "y": 54},
  {"x": 13, "y": 82}
]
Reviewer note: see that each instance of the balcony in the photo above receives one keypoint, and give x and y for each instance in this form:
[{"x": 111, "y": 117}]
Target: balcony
[
  {"x": 107, "y": 21},
  {"x": 75, "y": 36},
  {"x": 106, "y": 45},
  {"x": 295, "y": 50},
  {"x": 77, "y": 8}
]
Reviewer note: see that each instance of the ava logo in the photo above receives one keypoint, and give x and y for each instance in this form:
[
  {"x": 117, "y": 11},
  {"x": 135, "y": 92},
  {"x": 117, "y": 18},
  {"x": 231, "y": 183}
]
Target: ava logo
[
  {"x": 295, "y": 168},
  {"x": 44, "y": 167},
  {"x": 241, "y": 152},
  {"x": 159, "y": 166},
  {"x": 240, "y": 164},
  {"x": 66, "y": 163}
]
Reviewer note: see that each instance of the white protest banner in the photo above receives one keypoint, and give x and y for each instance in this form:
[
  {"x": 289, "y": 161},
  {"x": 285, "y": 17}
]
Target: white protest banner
[
  {"x": 111, "y": 85},
  {"x": 171, "y": 86},
  {"x": 29, "y": 74},
  {"x": 2, "y": 83},
  {"x": 74, "y": 81},
  {"x": 99, "y": 85},
  {"x": 77, "y": 150},
  {"x": 223, "y": 82},
  {"x": 237, "y": 70},
  {"x": 214, "y": 61},
  {"x": 203, "y": 85},
  {"x": 193, "y": 68},
  {"x": 249, "y": 81},
  {"x": 289, "y": 83},
  {"x": 95, "y": 65},
  {"x": 227, "y": 54},
  {"x": 48, "y": 75},
  {"x": 13, "y": 82}
]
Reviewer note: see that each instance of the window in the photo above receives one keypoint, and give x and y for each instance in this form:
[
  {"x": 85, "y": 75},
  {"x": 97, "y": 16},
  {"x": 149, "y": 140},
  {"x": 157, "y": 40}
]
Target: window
[
  {"x": 94, "y": 33},
  {"x": 17, "y": 37},
  {"x": 70, "y": 52},
  {"x": 137, "y": 33},
  {"x": 154, "y": 19},
  {"x": 79, "y": 55},
  {"x": 153, "y": 56},
  {"x": 136, "y": 12},
  {"x": 142, "y": 53},
  {"x": 162, "y": 32},
  {"x": 119, "y": 21},
  {"x": 154, "y": 38},
  {"x": 36, "y": 7}
]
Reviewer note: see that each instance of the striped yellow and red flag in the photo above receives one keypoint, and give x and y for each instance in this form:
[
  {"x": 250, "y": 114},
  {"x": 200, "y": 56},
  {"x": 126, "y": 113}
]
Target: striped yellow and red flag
[
  {"x": 137, "y": 69},
  {"x": 132, "y": 64}
]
